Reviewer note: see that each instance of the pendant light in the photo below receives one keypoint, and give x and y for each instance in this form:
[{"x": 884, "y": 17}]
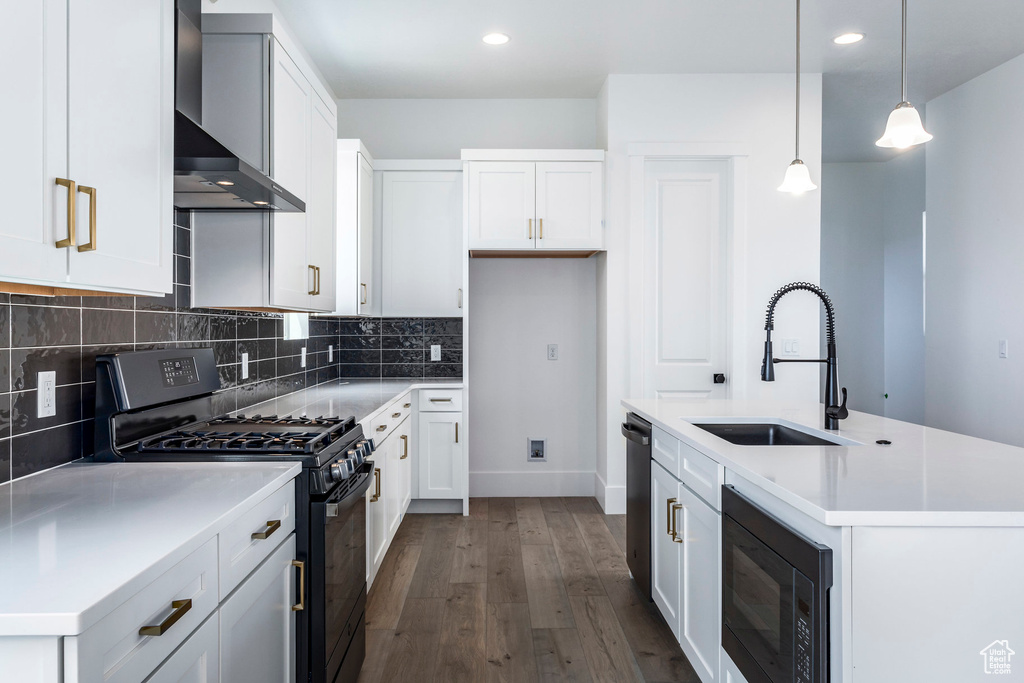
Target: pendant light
[
  {"x": 798, "y": 178},
  {"x": 904, "y": 128}
]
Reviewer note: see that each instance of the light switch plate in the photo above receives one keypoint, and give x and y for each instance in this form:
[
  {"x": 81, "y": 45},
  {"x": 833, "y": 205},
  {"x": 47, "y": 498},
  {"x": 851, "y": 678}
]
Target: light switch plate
[
  {"x": 790, "y": 348},
  {"x": 552, "y": 351},
  {"x": 245, "y": 366},
  {"x": 46, "y": 398},
  {"x": 330, "y": 353},
  {"x": 1004, "y": 348},
  {"x": 302, "y": 357},
  {"x": 435, "y": 352}
]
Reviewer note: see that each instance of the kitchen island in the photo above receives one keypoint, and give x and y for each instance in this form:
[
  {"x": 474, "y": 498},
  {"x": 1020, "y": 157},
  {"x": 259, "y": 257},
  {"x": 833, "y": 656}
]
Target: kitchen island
[{"x": 926, "y": 531}]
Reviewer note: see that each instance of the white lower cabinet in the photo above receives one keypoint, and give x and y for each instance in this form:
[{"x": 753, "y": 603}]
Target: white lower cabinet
[
  {"x": 686, "y": 569},
  {"x": 389, "y": 495},
  {"x": 441, "y": 466},
  {"x": 376, "y": 516},
  {"x": 197, "y": 660},
  {"x": 257, "y": 623}
]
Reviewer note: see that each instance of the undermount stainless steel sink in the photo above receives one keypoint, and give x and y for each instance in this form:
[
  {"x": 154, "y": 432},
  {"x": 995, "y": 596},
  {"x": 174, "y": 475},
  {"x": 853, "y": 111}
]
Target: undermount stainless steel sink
[{"x": 763, "y": 434}]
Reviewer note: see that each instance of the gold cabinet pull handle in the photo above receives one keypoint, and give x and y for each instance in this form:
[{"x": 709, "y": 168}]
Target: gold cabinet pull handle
[
  {"x": 91, "y": 244},
  {"x": 68, "y": 241},
  {"x": 540, "y": 223},
  {"x": 272, "y": 526},
  {"x": 381, "y": 428},
  {"x": 669, "y": 526},
  {"x": 302, "y": 585},
  {"x": 318, "y": 280},
  {"x": 675, "y": 532},
  {"x": 440, "y": 400},
  {"x": 456, "y": 432},
  {"x": 530, "y": 223},
  {"x": 376, "y": 492},
  {"x": 312, "y": 291},
  {"x": 460, "y": 297},
  {"x": 363, "y": 301},
  {"x": 407, "y": 405},
  {"x": 396, "y": 415},
  {"x": 180, "y": 607},
  {"x": 405, "y": 443}
]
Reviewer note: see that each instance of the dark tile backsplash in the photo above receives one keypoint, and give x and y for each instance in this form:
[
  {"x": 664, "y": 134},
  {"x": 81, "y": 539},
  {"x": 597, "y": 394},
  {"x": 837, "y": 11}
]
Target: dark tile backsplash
[{"x": 66, "y": 333}]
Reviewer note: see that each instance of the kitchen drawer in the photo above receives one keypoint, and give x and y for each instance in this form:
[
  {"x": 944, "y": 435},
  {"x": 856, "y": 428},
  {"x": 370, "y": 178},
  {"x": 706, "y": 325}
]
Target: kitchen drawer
[
  {"x": 399, "y": 411},
  {"x": 665, "y": 450},
  {"x": 703, "y": 475},
  {"x": 252, "y": 537},
  {"x": 197, "y": 660},
  {"x": 440, "y": 400},
  {"x": 114, "y": 651}
]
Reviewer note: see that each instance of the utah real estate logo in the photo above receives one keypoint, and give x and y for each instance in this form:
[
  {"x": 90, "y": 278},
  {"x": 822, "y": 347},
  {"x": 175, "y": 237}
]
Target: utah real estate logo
[{"x": 997, "y": 657}]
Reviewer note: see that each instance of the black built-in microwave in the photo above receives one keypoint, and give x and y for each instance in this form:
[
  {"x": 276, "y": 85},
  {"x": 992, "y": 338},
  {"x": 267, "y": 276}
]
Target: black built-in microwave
[{"x": 775, "y": 596}]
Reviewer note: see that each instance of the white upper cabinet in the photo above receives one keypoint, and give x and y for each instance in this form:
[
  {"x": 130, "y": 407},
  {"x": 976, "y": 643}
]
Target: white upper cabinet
[
  {"x": 355, "y": 293},
  {"x": 291, "y": 104},
  {"x": 502, "y": 205},
  {"x": 421, "y": 268},
  {"x": 526, "y": 200},
  {"x": 569, "y": 205},
  {"x": 320, "y": 211},
  {"x": 101, "y": 125}
]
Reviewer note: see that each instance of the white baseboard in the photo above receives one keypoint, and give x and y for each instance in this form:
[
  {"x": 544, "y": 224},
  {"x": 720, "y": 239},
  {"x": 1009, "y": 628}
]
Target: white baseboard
[
  {"x": 599, "y": 489},
  {"x": 531, "y": 484},
  {"x": 613, "y": 498}
]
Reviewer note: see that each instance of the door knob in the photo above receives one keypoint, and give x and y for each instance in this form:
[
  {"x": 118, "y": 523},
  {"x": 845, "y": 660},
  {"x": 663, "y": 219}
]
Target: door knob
[{"x": 719, "y": 378}]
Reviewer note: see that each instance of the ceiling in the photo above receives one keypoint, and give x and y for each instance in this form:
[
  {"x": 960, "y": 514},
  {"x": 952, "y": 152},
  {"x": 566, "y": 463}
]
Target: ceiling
[{"x": 566, "y": 48}]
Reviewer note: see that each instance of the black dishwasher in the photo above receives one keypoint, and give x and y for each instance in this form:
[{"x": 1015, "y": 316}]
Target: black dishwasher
[{"x": 638, "y": 500}]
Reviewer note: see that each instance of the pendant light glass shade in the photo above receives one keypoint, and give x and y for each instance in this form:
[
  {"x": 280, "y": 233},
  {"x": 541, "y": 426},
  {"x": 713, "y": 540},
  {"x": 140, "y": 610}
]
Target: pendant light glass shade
[
  {"x": 904, "y": 128},
  {"x": 798, "y": 179}
]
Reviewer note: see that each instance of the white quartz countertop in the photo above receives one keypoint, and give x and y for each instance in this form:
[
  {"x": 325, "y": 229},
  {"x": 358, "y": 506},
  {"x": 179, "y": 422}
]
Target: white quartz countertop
[
  {"x": 359, "y": 398},
  {"x": 80, "y": 539},
  {"x": 927, "y": 477}
]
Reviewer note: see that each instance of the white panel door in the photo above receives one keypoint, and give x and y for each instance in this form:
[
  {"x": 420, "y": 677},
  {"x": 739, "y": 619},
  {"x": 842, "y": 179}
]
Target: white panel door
[
  {"x": 570, "y": 205},
  {"x": 404, "y": 436},
  {"x": 685, "y": 277},
  {"x": 376, "y": 515},
  {"x": 321, "y": 208},
  {"x": 699, "y": 527},
  {"x": 502, "y": 206},
  {"x": 121, "y": 142},
  {"x": 439, "y": 453},
  {"x": 666, "y": 555},
  {"x": 393, "y": 484},
  {"x": 197, "y": 660},
  {"x": 291, "y": 107},
  {"x": 367, "y": 295},
  {"x": 257, "y": 623},
  {"x": 422, "y": 256},
  {"x": 291, "y": 278},
  {"x": 35, "y": 146}
]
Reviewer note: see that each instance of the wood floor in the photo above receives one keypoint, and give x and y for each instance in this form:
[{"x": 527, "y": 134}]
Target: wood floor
[{"x": 524, "y": 589}]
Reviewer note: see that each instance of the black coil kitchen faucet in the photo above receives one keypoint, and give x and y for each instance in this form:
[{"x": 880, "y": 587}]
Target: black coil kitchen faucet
[{"x": 834, "y": 411}]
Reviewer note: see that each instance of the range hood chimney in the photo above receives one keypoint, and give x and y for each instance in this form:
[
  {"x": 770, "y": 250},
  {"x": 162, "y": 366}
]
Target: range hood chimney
[{"x": 207, "y": 175}]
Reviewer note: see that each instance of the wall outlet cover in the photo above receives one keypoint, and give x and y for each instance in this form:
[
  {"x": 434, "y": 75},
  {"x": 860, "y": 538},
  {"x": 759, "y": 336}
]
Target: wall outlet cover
[
  {"x": 536, "y": 450},
  {"x": 552, "y": 351},
  {"x": 245, "y": 365},
  {"x": 302, "y": 357},
  {"x": 330, "y": 353},
  {"x": 435, "y": 352},
  {"x": 1004, "y": 348},
  {"x": 46, "y": 396}
]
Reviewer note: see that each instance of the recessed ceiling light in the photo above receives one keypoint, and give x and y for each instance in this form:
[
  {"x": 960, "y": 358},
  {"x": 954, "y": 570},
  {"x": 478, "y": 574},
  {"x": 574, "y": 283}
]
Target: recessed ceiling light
[
  {"x": 848, "y": 38},
  {"x": 496, "y": 38},
  {"x": 225, "y": 183},
  {"x": 259, "y": 203}
]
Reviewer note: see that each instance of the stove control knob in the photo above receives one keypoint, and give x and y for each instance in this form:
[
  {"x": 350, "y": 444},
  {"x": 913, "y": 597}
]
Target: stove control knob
[
  {"x": 339, "y": 472},
  {"x": 357, "y": 455},
  {"x": 370, "y": 448}
]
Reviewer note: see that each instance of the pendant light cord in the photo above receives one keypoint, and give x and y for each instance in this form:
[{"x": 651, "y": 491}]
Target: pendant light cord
[
  {"x": 798, "y": 74},
  {"x": 903, "y": 52}
]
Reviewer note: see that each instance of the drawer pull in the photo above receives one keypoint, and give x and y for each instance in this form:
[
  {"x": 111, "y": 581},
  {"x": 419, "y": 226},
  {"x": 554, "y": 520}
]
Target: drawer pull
[
  {"x": 272, "y": 526},
  {"x": 180, "y": 608},
  {"x": 362, "y": 302},
  {"x": 405, "y": 444},
  {"x": 302, "y": 585},
  {"x": 440, "y": 400},
  {"x": 675, "y": 532},
  {"x": 376, "y": 493},
  {"x": 669, "y": 526},
  {"x": 91, "y": 244},
  {"x": 396, "y": 415},
  {"x": 456, "y": 432},
  {"x": 407, "y": 405},
  {"x": 381, "y": 428},
  {"x": 68, "y": 241}
]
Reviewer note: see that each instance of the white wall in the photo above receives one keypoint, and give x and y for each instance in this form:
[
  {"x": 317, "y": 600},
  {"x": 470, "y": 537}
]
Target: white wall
[
  {"x": 853, "y": 274},
  {"x": 519, "y": 306},
  {"x": 975, "y": 276},
  {"x": 440, "y": 129},
  {"x": 778, "y": 244}
]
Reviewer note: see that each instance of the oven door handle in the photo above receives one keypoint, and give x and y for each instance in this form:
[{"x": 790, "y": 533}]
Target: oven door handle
[
  {"x": 634, "y": 435},
  {"x": 335, "y": 506}
]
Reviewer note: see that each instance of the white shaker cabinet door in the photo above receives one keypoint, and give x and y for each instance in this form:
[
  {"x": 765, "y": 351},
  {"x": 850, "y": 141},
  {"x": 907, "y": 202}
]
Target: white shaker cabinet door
[
  {"x": 291, "y": 102},
  {"x": 666, "y": 555},
  {"x": 376, "y": 513},
  {"x": 570, "y": 205},
  {"x": 368, "y": 297},
  {"x": 291, "y": 278},
  {"x": 699, "y": 527},
  {"x": 440, "y": 447},
  {"x": 405, "y": 458},
  {"x": 35, "y": 153},
  {"x": 422, "y": 254},
  {"x": 320, "y": 209},
  {"x": 257, "y": 623},
  {"x": 502, "y": 205},
  {"x": 121, "y": 143},
  {"x": 197, "y": 660},
  {"x": 393, "y": 484}
]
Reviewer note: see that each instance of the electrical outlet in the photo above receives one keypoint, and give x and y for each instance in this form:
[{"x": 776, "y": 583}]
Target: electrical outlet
[
  {"x": 330, "y": 355},
  {"x": 435, "y": 352},
  {"x": 536, "y": 450},
  {"x": 1004, "y": 351},
  {"x": 552, "y": 351},
  {"x": 302, "y": 357},
  {"x": 46, "y": 398},
  {"x": 790, "y": 348},
  {"x": 245, "y": 366}
]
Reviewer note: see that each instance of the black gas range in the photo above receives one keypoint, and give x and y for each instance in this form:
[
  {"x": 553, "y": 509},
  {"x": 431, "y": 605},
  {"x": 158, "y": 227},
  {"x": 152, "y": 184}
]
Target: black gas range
[{"x": 157, "y": 406}]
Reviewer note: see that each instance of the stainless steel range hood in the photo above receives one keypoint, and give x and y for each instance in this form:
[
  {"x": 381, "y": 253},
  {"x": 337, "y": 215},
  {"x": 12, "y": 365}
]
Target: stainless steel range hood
[{"x": 207, "y": 175}]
